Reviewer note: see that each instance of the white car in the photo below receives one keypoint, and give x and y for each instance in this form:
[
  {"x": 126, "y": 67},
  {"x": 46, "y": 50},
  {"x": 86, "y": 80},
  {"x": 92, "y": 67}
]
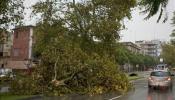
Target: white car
[{"x": 160, "y": 78}]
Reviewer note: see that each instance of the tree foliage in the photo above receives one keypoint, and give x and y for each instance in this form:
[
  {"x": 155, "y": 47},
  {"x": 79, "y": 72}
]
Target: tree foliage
[
  {"x": 173, "y": 32},
  {"x": 152, "y": 7},
  {"x": 169, "y": 49},
  {"x": 90, "y": 19},
  {"x": 11, "y": 12},
  {"x": 66, "y": 68},
  {"x": 3, "y": 35},
  {"x": 76, "y": 43},
  {"x": 122, "y": 55},
  {"x": 168, "y": 54},
  {"x": 126, "y": 56}
]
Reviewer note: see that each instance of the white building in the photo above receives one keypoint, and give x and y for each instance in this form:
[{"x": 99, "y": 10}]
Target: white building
[{"x": 152, "y": 48}]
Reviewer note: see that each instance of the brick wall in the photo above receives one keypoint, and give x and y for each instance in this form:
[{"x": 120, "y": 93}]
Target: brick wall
[{"x": 20, "y": 48}]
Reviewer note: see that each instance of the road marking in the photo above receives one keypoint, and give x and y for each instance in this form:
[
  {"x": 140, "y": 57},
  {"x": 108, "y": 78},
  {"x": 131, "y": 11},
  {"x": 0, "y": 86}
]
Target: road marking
[{"x": 115, "y": 97}]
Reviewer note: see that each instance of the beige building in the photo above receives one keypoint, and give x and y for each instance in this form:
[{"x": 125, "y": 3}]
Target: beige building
[{"x": 132, "y": 47}]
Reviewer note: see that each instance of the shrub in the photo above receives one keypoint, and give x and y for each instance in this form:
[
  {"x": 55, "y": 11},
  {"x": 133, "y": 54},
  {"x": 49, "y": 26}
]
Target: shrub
[{"x": 25, "y": 85}]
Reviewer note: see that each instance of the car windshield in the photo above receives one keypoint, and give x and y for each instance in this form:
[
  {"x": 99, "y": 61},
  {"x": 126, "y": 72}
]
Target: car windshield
[{"x": 160, "y": 74}]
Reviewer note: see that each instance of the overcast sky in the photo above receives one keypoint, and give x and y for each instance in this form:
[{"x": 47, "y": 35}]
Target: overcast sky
[{"x": 137, "y": 28}]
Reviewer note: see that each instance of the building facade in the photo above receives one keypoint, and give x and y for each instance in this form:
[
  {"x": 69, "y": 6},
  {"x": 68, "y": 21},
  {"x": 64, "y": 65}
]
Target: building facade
[
  {"x": 132, "y": 47},
  {"x": 152, "y": 48},
  {"x": 21, "y": 52}
]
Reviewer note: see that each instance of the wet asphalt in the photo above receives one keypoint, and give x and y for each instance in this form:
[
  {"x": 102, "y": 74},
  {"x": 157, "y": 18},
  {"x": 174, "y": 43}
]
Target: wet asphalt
[{"x": 141, "y": 92}]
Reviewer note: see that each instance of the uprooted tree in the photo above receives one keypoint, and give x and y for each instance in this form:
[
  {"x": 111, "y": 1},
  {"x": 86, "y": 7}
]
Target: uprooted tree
[{"x": 76, "y": 43}]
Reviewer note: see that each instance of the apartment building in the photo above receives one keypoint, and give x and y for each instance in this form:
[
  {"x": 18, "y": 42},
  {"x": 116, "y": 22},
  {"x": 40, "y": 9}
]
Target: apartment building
[
  {"x": 21, "y": 51},
  {"x": 151, "y": 48},
  {"x": 132, "y": 47}
]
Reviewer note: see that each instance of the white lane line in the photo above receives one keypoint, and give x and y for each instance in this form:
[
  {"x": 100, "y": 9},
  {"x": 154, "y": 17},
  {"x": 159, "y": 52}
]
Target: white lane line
[{"x": 115, "y": 97}]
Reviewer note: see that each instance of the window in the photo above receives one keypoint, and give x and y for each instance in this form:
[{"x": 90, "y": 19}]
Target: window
[
  {"x": 16, "y": 52},
  {"x": 160, "y": 74}
]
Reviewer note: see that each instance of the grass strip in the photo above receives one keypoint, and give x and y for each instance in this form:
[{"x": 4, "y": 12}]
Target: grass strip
[
  {"x": 131, "y": 78},
  {"x": 7, "y": 96}
]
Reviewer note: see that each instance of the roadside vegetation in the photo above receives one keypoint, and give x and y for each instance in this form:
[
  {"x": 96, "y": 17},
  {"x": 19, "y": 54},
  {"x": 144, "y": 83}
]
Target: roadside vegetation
[
  {"x": 7, "y": 96},
  {"x": 79, "y": 52},
  {"x": 169, "y": 48}
]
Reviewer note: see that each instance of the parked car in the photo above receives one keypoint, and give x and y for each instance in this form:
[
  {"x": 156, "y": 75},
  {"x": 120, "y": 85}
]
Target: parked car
[{"x": 160, "y": 78}]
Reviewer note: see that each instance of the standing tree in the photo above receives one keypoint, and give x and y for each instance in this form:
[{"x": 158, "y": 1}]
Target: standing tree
[
  {"x": 11, "y": 12},
  {"x": 169, "y": 49},
  {"x": 90, "y": 19},
  {"x": 168, "y": 54},
  {"x": 173, "y": 33}
]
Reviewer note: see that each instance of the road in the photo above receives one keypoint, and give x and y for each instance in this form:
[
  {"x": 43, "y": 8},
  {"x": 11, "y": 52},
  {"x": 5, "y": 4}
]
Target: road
[{"x": 142, "y": 92}]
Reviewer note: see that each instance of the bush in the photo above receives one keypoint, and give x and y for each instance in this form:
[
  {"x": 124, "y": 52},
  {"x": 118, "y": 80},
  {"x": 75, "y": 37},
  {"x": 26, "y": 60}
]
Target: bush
[{"x": 25, "y": 85}]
